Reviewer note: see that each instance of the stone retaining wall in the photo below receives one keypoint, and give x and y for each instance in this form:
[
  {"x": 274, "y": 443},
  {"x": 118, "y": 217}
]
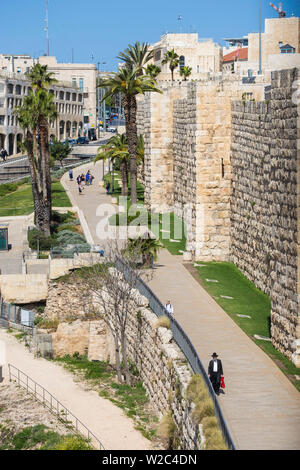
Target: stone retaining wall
[{"x": 161, "y": 364}]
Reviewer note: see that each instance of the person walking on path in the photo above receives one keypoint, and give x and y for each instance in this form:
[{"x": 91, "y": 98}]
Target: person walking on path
[
  {"x": 71, "y": 175},
  {"x": 3, "y": 154},
  {"x": 80, "y": 188},
  {"x": 169, "y": 307},
  {"x": 215, "y": 372},
  {"x": 87, "y": 179},
  {"x": 107, "y": 187}
]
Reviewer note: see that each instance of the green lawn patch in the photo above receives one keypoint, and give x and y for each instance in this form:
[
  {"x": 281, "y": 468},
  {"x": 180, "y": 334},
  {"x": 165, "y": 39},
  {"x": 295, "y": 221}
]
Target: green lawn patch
[
  {"x": 20, "y": 201},
  {"x": 40, "y": 437},
  {"x": 247, "y": 300},
  {"x": 133, "y": 400}
]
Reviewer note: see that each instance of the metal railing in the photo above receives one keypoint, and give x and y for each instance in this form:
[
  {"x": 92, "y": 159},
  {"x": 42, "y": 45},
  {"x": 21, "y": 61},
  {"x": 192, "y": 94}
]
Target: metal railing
[
  {"x": 16, "y": 317},
  {"x": 54, "y": 405},
  {"x": 182, "y": 341}
]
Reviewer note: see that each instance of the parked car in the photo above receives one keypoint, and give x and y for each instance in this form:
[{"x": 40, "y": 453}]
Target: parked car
[
  {"x": 71, "y": 142},
  {"x": 82, "y": 140},
  {"x": 112, "y": 129}
]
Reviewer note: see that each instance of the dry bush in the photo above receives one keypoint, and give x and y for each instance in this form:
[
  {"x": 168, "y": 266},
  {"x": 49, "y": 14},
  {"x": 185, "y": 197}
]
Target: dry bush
[
  {"x": 203, "y": 409},
  {"x": 166, "y": 428},
  {"x": 163, "y": 322},
  {"x": 213, "y": 436},
  {"x": 197, "y": 389}
]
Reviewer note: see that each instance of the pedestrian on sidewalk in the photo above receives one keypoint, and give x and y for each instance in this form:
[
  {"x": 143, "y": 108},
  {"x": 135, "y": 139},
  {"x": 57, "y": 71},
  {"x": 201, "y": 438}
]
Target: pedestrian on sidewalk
[
  {"x": 107, "y": 187},
  {"x": 215, "y": 372},
  {"x": 71, "y": 175},
  {"x": 87, "y": 179},
  {"x": 169, "y": 307},
  {"x": 80, "y": 188},
  {"x": 3, "y": 154}
]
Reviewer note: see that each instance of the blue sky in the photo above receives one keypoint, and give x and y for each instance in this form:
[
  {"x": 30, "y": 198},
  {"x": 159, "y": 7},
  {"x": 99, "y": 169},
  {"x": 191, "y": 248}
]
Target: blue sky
[{"x": 101, "y": 29}]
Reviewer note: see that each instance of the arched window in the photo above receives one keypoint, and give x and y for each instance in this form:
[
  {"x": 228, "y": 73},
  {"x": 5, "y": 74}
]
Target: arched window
[{"x": 181, "y": 61}]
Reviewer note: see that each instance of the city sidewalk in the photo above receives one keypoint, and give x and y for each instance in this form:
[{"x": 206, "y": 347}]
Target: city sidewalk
[
  {"x": 261, "y": 407},
  {"x": 11, "y": 261}
]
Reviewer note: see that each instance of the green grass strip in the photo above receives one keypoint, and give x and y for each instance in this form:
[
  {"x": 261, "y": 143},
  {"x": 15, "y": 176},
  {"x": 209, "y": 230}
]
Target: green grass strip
[{"x": 247, "y": 300}]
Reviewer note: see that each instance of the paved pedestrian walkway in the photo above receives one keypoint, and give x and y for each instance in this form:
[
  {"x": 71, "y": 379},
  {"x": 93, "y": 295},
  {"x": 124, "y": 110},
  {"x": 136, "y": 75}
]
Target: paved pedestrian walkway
[
  {"x": 11, "y": 261},
  {"x": 107, "y": 421},
  {"x": 261, "y": 407}
]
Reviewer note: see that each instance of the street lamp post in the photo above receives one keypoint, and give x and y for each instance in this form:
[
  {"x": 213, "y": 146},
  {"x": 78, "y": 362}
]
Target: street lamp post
[
  {"x": 260, "y": 65},
  {"x": 101, "y": 105}
]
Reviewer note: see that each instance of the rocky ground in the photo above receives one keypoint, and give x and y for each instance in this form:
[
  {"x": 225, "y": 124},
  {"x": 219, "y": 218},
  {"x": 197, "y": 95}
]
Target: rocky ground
[{"x": 19, "y": 410}]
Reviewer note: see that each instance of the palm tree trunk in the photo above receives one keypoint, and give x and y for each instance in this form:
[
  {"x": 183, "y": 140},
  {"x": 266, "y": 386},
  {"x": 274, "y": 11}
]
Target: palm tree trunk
[
  {"x": 124, "y": 177},
  {"x": 46, "y": 177},
  {"x": 172, "y": 74},
  {"x": 131, "y": 131},
  {"x": 42, "y": 210}
]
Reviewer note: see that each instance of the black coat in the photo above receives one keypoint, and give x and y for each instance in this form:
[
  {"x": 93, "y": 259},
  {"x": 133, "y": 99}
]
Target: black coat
[{"x": 211, "y": 368}]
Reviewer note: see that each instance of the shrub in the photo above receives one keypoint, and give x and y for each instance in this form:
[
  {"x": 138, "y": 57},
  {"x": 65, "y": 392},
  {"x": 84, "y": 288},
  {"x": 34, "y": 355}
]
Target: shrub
[
  {"x": 163, "y": 322},
  {"x": 198, "y": 394},
  {"x": 213, "y": 436},
  {"x": 73, "y": 443},
  {"x": 166, "y": 428},
  {"x": 44, "y": 243},
  {"x": 48, "y": 323},
  {"x": 72, "y": 228},
  {"x": 67, "y": 237}
]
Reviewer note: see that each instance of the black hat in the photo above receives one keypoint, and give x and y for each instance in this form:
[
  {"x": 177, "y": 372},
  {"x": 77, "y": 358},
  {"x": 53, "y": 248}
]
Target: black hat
[{"x": 214, "y": 355}]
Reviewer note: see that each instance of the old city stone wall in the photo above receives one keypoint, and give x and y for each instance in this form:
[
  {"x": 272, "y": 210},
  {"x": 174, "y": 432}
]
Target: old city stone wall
[
  {"x": 161, "y": 364},
  {"x": 187, "y": 132},
  {"x": 264, "y": 203},
  {"x": 229, "y": 168}
]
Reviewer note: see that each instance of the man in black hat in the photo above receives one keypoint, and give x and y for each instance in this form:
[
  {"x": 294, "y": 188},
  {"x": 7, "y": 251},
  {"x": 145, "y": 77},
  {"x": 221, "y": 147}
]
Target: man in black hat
[{"x": 215, "y": 371}]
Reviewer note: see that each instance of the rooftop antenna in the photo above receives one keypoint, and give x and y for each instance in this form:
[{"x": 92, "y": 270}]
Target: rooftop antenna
[
  {"x": 180, "y": 23},
  {"x": 47, "y": 28}
]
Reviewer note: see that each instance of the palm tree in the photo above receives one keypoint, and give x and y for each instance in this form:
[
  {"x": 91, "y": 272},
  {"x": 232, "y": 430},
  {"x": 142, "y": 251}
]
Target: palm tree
[
  {"x": 147, "y": 247},
  {"x": 40, "y": 78},
  {"x": 173, "y": 59},
  {"x": 152, "y": 70},
  {"x": 34, "y": 116},
  {"x": 129, "y": 82},
  {"x": 135, "y": 57},
  {"x": 117, "y": 148},
  {"x": 185, "y": 72}
]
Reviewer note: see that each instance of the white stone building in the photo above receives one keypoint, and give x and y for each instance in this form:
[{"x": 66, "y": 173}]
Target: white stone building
[
  {"x": 81, "y": 76},
  {"x": 280, "y": 48},
  {"x": 69, "y": 104},
  {"x": 202, "y": 55}
]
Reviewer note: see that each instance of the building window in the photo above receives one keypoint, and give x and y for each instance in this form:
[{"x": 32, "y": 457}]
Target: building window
[
  {"x": 287, "y": 49},
  {"x": 2, "y": 120},
  {"x": 181, "y": 62},
  {"x": 81, "y": 84},
  {"x": 74, "y": 82},
  {"x": 85, "y": 119},
  {"x": 157, "y": 55}
]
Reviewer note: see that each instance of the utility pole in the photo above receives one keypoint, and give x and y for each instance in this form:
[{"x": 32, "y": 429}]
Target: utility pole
[
  {"x": 47, "y": 27},
  {"x": 180, "y": 23},
  {"x": 260, "y": 64}
]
